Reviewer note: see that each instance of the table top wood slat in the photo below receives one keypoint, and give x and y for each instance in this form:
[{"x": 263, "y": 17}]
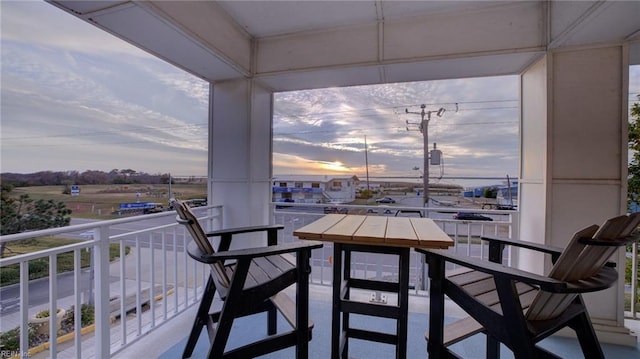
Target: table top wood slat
[
  {"x": 315, "y": 229},
  {"x": 400, "y": 231},
  {"x": 344, "y": 229},
  {"x": 372, "y": 230},
  {"x": 429, "y": 234}
]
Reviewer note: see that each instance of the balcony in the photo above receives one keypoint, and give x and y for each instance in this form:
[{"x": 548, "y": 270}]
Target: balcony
[{"x": 157, "y": 285}]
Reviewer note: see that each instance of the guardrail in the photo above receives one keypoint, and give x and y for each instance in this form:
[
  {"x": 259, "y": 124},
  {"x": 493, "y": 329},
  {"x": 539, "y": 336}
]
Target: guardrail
[{"x": 156, "y": 281}]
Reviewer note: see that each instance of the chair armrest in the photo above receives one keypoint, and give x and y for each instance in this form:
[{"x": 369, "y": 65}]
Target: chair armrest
[
  {"x": 498, "y": 270},
  {"x": 556, "y": 251},
  {"x": 604, "y": 279},
  {"x": 618, "y": 242},
  {"x": 249, "y": 253},
  {"x": 226, "y": 235},
  {"x": 232, "y": 231}
]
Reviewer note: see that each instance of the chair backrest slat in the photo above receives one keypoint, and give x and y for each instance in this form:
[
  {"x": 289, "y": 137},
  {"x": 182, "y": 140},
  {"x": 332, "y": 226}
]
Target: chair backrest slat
[
  {"x": 569, "y": 261},
  {"x": 200, "y": 238},
  {"x": 545, "y": 304},
  {"x": 617, "y": 230},
  {"x": 580, "y": 261}
]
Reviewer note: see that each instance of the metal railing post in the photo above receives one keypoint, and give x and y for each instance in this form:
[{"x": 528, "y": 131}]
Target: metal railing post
[
  {"x": 634, "y": 280},
  {"x": 101, "y": 253}
]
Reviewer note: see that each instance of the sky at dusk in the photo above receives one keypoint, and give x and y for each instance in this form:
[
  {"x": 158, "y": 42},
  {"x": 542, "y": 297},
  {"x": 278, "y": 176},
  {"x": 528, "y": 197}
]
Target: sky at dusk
[{"x": 74, "y": 97}]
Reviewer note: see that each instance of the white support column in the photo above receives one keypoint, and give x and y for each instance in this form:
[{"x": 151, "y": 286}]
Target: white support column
[
  {"x": 240, "y": 152},
  {"x": 573, "y": 124}
]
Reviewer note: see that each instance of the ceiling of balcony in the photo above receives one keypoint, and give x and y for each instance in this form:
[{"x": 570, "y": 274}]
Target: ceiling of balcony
[{"x": 291, "y": 45}]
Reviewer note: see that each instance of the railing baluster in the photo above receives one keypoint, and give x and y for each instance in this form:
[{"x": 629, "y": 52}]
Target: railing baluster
[
  {"x": 77, "y": 313},
  {"x": 53, "y": 305},
  {"x": 24, "y": 309},
  {"x": 186, "y": 266},
  {"x": 175, "y": 272},
  {"x": 138, "y": 285},
  {"x": 123, "y": 295},
  {"x": 164, "y": 278},
  {"x": 152, "y": 280},
  {"x": 103, "y": 333},
  {"x": 634, "y": 280}
]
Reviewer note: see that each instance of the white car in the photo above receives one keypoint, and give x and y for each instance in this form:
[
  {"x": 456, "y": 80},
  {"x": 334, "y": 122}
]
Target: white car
[{"x": 385, "y": 200}]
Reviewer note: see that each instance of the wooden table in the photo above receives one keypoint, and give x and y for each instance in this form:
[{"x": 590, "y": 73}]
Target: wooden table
[{"x": 371, "y": 234}]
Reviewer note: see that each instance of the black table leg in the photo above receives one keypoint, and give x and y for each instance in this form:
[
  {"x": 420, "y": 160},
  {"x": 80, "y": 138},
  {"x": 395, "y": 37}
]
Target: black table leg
[
  {"x": 403, "y": 302},
  {"x": 335, "y": 311},
  {"x": 343, "y": 306}
]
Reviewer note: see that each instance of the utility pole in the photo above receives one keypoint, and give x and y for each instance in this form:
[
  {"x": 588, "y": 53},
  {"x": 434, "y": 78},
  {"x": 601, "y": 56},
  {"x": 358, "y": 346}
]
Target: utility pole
[
  {"x": 424, "y": 129},
  {"x": 366, "y": 160}
]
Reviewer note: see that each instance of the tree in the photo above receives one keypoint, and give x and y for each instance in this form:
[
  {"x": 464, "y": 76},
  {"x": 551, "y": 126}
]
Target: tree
[
  {"x": 24, "y": 214},
  {"x": 490, "y": 192},
  {"x": 633, "y": 181}
]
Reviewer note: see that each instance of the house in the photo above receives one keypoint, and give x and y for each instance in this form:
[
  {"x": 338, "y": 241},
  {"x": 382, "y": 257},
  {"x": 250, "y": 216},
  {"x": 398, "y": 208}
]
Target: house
[{"x": 314, "y": 189}]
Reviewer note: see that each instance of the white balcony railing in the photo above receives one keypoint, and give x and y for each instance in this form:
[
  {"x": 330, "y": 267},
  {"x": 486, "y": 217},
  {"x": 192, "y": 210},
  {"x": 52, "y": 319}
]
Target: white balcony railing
[
  {"x": 131, "y": 297},
  {"x": 159, "y": 281}
]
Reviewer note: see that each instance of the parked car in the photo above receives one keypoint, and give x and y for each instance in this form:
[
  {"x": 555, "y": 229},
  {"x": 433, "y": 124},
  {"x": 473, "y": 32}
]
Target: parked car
[
  {"x": 286, "y": 200},
  {"x": 328, "y": 210},
  {"x": 196, "y": 202},
  {"x": 153, "y": 208},
  {"x": 466, "y": 216},
  {"x": 385, "y": 200}
]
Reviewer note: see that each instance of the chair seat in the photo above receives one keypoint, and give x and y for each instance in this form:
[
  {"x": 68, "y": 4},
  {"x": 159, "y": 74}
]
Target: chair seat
[
  {"x": 263, "y": 271},
  {"x": 482, "y": 287}
]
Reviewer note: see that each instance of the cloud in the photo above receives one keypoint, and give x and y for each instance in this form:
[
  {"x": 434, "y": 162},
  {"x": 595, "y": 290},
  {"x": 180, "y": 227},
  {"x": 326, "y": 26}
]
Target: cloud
[
  {"x": 479, "y": 139},
  {"x": 96, "y": 106},
  {"x": 41, "y": 24}
]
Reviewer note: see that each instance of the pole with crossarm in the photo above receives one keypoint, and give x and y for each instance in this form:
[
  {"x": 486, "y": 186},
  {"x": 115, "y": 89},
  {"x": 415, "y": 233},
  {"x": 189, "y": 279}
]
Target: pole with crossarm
[{"x": 424, "y": 129}]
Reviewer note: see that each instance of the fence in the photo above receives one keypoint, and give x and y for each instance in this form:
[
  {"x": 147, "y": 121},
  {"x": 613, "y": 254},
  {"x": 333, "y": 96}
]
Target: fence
[{"x": 156, "y": 282}]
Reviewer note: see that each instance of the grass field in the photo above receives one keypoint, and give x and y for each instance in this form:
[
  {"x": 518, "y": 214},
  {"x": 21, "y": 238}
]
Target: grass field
[{"x": 101, "y": 201}]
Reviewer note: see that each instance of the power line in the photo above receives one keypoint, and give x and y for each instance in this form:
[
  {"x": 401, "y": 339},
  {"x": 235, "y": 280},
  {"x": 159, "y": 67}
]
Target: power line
[
  {"x": 395, "y": 127},
  {"x": 400, "y": 108}
]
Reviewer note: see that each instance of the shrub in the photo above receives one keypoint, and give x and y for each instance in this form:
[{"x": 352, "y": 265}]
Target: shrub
[
  {"x": 38, "y": 268},
  {"x": 9, "y": 274},
  {"x": 87, "y": 315},
  {"x": 44, "y": 313},
  {"x": 11, "y": 339}
]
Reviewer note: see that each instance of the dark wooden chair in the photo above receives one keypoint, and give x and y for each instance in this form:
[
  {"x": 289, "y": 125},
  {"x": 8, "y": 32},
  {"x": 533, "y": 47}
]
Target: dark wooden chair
[
  {"x": 250, "y": 281},
  {"x": 518, "y": 308}
]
